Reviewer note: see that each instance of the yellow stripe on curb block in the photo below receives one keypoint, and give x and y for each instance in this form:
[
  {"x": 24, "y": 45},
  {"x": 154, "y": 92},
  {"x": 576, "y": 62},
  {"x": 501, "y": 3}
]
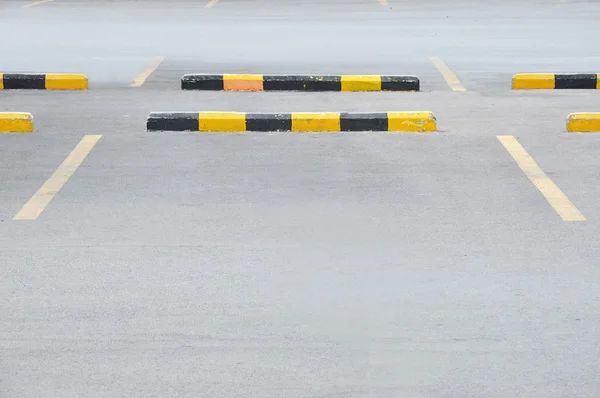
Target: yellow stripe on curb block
[
  {"x": 316, "y": 122},
  {"x": 598, "y": 81},
  {"x": 232, "y": 122},
  {"x": 66, "y": 81},
  {"x": 16, "y": 122},
  {"x": 417, "y": 122},
  {"x": 361, "y": 83},
  {"x": 1, "y": 81},
  {"x": 533, "y": 81},
  {"x": 584, "y": 122}
]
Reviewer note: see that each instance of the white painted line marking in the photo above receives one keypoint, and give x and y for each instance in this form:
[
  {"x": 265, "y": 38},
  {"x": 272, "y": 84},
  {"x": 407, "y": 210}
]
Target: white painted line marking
[
  {"x": 141, "y": 78},
  {"x": 555, "y": 197},
  {"x": 452, "y": 80},
  {"x": 42, "y": 198},
  {"x": 35, "y": 3}
]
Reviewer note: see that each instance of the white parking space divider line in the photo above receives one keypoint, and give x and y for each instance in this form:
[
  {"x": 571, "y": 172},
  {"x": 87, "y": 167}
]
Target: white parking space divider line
[{"x": 42, "y": 198}]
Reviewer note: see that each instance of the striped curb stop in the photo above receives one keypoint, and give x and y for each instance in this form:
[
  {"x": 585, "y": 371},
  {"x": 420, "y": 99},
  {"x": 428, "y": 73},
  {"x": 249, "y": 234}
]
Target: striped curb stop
[
  {"x": 43, "y": 81},
  {"x": 555, "y": 81},
  {"x": 299, "y": 83},
  {"x": 16, "y": 122},
  {"x": 418, "y": 122}
]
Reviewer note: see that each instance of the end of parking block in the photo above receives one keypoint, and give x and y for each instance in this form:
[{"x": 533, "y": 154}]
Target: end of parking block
[
  {"x": 412, "y": 122},
  {"x": 16, "y": 122},
  {"x": 66, "y": 81},
  {"x": 533, "y": 81},
  {"x": 584, "y": 122}
]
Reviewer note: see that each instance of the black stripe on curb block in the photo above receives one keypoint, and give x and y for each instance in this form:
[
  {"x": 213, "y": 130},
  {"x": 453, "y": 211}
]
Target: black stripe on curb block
[
  {"x": 202, "y": 82},
  {"x": 302, "y": 83},
  {"x": 268, "y": 122},
  {"x": 400, "y": 83},
  {"x": 17, "y": 81},
  {"x": 363, "y": 121},
  {"x": 176, "y": 121},
  {"x": 575, "y": 81}
]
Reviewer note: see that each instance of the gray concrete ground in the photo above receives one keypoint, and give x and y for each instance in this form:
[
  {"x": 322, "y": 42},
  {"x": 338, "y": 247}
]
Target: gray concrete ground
[{"x": 309, "y": 265}]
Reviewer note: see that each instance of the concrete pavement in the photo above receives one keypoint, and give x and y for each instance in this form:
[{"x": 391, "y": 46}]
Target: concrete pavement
[{"x": 299, "y": 265}]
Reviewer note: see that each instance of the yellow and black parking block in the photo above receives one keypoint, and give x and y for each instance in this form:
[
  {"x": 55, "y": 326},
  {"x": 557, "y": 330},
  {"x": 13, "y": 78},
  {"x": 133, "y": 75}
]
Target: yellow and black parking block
[
  {"x": 239, "y": 122},
  {"x": 300, "y": 82},
  {"x": 556, "y": 81},
  {"x": 43, "y": 81}
]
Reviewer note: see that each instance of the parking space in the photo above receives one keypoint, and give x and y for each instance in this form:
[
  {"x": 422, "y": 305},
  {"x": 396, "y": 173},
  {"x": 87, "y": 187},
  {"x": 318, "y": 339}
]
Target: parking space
[
  {"x": 462, "y": 180},
  {"x": 172, "y": 244}
]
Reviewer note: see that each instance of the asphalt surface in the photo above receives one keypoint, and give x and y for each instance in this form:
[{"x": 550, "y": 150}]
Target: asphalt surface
[{"x": 299, "y": 265}]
